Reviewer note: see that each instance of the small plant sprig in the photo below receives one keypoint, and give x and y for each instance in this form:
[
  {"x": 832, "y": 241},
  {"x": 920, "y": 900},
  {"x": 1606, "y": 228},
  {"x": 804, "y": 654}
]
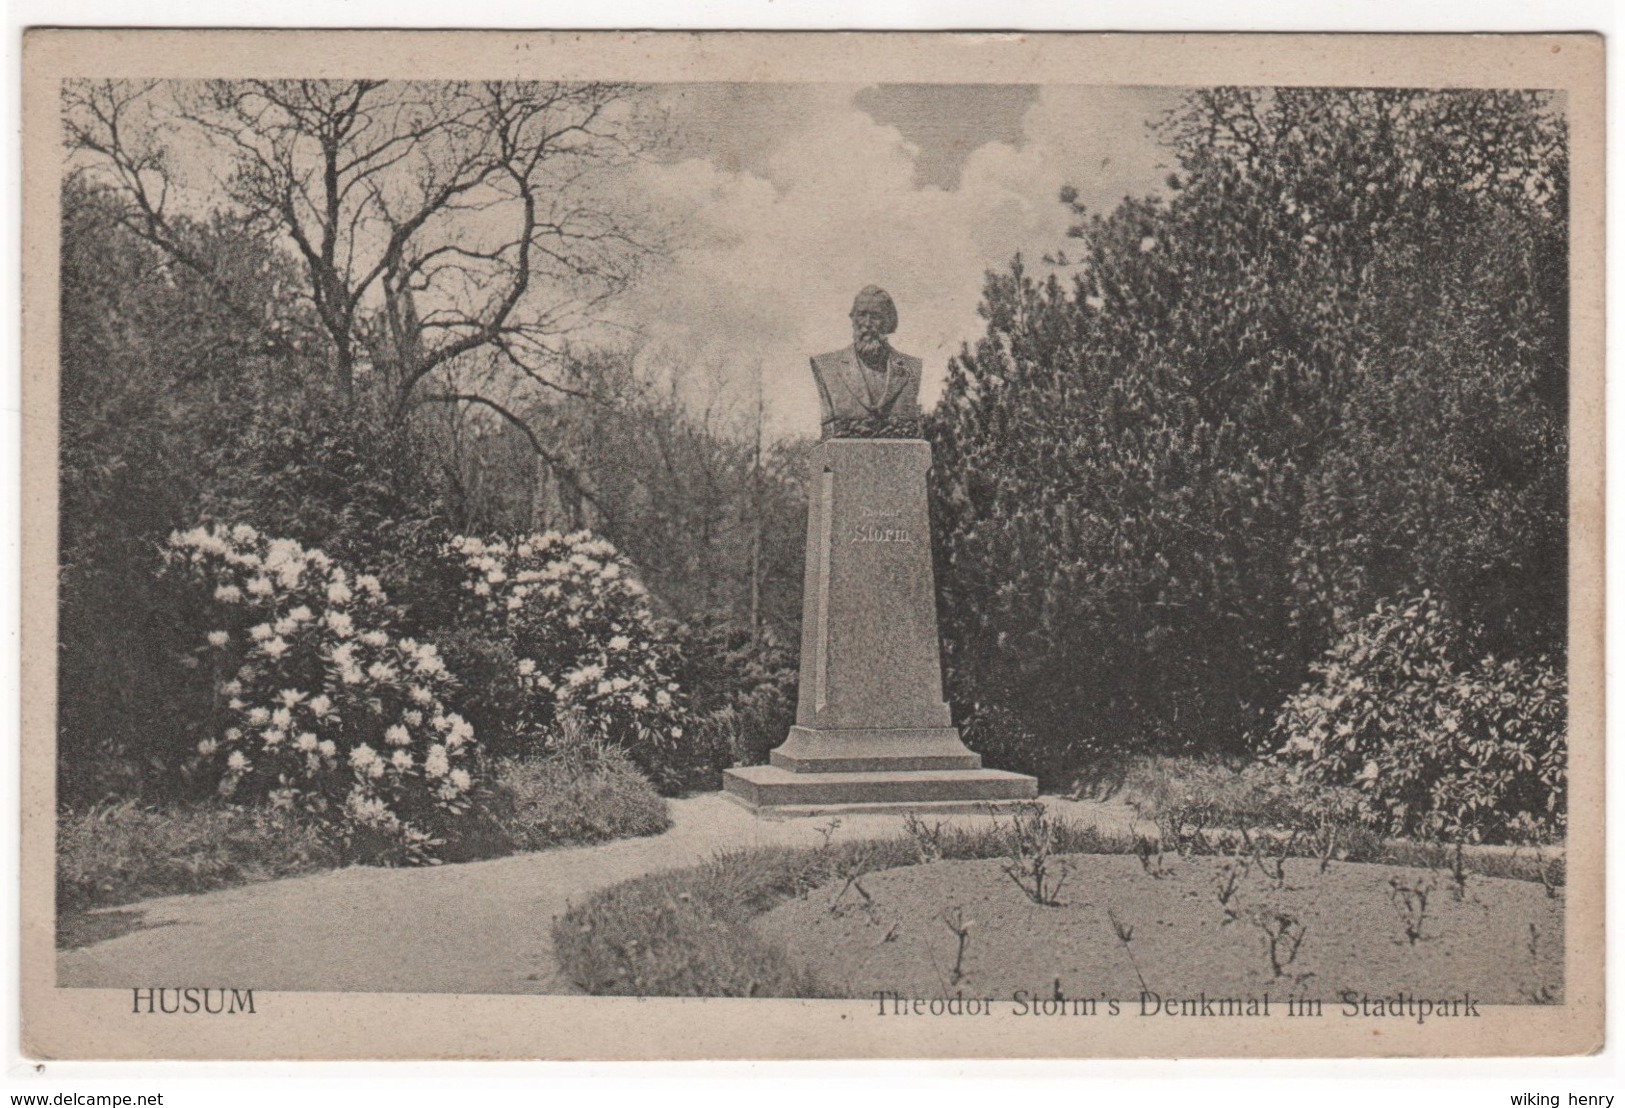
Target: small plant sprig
[
  {"x": 1458, "y": 872},
  {"x": 827, "y": 829},
  {"x": 1325, "y": 842},
  {"x": 1411, "y": 902},
  {"x": 823, "y": 862},
  {"x": 927, "y": 837},
  {"x": 1283, "y": 936},
  {"x": 1125, "y": 935},
  {"x": 1271, "y": 860},
  {"x": 954, "y": 920},
  {"x": 1150, "y": 855},
  {"x": 1548, "y": 881},
  {"x": 1186, "y": 827},
  {"x": 1542, "y": 992},
  {"x": 855, "y": 871},
  {"x": 1031, "y": 840},
  {"x": 1228, "y": 881}
]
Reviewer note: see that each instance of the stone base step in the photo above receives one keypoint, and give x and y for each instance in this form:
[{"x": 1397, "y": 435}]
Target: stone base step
[
  {"x": 809, "y": 750},
  {"x": 927, "y": 808},
  {"x": 771, "y": 787}
]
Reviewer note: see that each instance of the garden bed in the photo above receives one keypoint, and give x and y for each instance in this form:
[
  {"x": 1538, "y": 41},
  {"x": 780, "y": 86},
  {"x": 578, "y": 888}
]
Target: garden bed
[
  {"x": 1118, "y": 931},
  {"x": 708, "y": 930}
]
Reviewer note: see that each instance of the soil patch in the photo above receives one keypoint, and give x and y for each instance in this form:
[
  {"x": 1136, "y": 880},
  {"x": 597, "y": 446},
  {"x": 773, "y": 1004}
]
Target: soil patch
[{"x": 897, "y": 933}]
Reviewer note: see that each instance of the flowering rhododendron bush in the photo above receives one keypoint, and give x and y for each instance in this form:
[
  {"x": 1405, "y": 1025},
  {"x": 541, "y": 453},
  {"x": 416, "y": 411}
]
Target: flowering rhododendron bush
[
  {"x": 318, "y": 704},
  {"x": 1435, "y": 748},
  {"x": 585, "y": 643}
]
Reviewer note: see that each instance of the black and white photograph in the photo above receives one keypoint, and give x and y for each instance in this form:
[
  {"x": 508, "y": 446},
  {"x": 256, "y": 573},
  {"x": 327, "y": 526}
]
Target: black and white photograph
[{"x": 1047, "y": 559}]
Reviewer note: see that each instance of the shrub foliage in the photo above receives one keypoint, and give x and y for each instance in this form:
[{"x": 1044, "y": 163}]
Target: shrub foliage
[
  {"x": 1435, "y": 748},
  {"x": 742, "y": 691},
  {"x": 583, "y": 640},
  {"x": 317, "y": 704},
  {"x": 120, "y": 851},
  {"x": 587, "y": 794}
]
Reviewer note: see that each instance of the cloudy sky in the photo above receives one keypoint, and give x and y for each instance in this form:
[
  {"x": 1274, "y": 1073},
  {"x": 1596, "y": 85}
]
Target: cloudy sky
[{"x": 786, "y": 199}]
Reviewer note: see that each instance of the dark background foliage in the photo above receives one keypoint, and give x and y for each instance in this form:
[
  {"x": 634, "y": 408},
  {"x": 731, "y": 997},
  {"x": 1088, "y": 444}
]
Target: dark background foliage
[
  {"x": 178, "y": 410},
  {"x": 1330, "y": 367}
]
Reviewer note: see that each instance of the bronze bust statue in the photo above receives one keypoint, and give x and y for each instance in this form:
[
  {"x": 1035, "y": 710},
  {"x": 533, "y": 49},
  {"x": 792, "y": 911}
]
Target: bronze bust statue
[{"x": 869, "y": 390}]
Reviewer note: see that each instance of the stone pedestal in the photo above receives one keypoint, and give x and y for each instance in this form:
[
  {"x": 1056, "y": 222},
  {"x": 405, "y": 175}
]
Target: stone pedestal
[{"x": 872, "y": 729}]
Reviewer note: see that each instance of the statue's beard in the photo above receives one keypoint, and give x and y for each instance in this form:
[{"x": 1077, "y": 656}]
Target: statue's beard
[{"x": 870, "y": 345}]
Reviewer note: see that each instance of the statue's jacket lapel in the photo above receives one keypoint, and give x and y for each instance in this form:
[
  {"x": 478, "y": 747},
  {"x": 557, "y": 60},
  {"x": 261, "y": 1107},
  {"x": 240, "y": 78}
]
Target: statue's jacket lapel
[
  {"x": 901, "y": 369},
  {"x": 845, "y": 393}
]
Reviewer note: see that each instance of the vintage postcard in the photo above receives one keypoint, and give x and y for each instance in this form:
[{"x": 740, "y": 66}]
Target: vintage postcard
[{"x": 797, "y": 545}]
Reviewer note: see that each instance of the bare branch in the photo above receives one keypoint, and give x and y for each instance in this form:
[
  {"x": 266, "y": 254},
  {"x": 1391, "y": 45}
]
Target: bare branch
[
  {"x": 470, "y": 197},
  {"x": 97, "y": 121},
  {"x": 565, "y": 471}
]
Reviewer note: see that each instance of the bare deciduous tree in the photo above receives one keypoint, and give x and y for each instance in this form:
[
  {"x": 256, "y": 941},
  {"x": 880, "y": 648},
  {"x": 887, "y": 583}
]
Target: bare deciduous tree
[{"x": 434, "y": 220}]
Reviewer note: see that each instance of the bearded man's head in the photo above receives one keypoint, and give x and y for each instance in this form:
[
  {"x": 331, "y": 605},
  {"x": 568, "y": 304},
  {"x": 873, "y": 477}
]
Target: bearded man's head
[{"x": 874, "y": 316}]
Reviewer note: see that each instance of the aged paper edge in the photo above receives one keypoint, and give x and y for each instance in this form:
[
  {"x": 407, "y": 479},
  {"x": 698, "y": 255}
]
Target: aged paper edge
[{"x": 75, "y": 1023}]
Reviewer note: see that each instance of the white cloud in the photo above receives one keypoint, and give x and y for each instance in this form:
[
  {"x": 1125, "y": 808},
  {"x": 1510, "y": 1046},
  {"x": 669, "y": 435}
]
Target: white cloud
[{"x": 767, "y": 261}]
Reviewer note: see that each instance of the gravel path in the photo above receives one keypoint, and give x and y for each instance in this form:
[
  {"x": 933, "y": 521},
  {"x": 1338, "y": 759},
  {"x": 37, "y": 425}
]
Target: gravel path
[{"x": 481, "y": 927}]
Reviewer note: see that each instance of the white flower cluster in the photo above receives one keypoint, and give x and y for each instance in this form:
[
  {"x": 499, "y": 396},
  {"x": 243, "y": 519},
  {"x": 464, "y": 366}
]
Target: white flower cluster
[
  {"x": 580, "y": 624},
  {"x": 319, "y": 701}
]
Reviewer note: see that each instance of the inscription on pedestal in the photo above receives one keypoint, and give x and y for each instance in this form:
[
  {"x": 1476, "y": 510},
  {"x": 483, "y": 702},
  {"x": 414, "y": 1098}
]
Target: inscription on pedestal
[
  {"x": 878, "y": 526},
  {"x": 881, "y": 534}
]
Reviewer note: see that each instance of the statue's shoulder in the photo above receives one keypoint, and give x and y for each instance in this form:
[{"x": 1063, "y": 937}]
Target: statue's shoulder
[{"x": 834, "y": 360}]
